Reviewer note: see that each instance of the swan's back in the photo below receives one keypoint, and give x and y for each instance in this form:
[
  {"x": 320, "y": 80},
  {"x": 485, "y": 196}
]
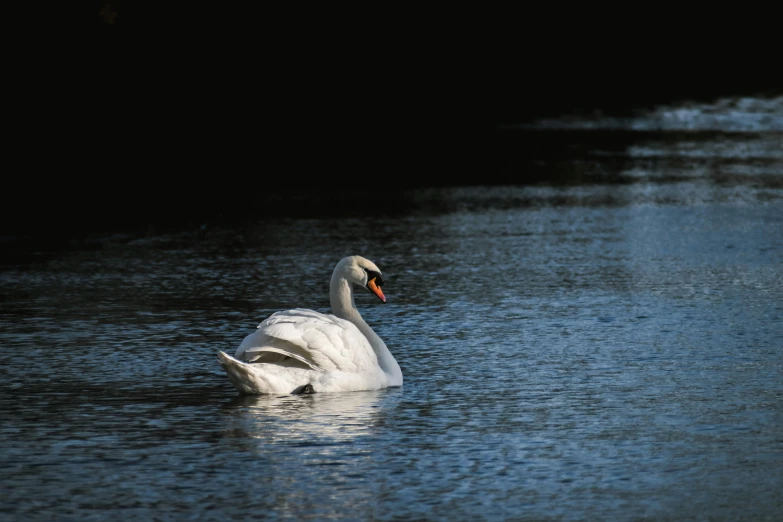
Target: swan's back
[{"x": 307, "y": 339}]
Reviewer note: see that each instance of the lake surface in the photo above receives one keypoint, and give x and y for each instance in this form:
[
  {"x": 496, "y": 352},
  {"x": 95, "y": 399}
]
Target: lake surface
[{"x": 605, "y": 349}]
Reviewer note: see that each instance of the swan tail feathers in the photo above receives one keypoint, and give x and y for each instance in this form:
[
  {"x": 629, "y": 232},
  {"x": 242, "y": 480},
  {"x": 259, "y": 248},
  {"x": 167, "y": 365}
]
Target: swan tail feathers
[{"x": 242, "y": 376}]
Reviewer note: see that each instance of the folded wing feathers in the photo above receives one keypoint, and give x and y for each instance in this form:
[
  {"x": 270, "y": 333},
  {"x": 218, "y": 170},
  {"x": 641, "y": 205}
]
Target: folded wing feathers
[
  {"x": 293, "y": 351},
  {"x": 323, "y": 342}
]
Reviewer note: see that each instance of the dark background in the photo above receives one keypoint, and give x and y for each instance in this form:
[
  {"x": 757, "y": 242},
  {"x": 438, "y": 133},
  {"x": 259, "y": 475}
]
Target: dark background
[{"x": 177, "y": 115}]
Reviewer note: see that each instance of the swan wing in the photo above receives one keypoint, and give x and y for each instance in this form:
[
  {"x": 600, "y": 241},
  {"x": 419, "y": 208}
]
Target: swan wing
[{"x": 323, "y": 342}]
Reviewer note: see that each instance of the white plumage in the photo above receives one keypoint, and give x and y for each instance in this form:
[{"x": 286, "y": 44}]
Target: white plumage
[{"x": 331, "y": 353}]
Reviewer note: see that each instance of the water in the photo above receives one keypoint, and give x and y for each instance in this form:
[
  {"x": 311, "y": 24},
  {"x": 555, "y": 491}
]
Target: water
[{"x": 601, "y": 350}]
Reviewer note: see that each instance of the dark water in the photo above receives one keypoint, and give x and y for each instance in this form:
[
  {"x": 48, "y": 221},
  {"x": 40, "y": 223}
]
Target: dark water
[{"x": 603, "y": 350}]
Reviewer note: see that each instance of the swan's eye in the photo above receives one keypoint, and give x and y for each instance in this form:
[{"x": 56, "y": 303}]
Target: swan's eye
[{"x": 372, "y": 274}]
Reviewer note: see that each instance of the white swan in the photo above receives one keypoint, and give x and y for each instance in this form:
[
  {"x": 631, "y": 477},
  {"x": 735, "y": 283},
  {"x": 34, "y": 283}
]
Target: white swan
[{"x": 302, "y": 351}]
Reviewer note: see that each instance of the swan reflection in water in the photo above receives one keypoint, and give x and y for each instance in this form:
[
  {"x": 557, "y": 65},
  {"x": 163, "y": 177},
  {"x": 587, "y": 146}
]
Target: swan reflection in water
[
  {"x": 319, "y": 419},
  {"x": 302, "y": 453}
]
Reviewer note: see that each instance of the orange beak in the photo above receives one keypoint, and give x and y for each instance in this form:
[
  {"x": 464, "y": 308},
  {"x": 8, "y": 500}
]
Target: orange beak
[{"x": 375, "y": 289}]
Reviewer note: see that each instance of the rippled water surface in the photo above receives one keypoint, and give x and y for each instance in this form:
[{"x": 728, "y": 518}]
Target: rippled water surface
[{"x": 592, "y": 351}]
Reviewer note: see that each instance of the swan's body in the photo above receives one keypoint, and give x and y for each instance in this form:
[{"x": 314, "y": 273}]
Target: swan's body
[{"x": 331, "y": 353}]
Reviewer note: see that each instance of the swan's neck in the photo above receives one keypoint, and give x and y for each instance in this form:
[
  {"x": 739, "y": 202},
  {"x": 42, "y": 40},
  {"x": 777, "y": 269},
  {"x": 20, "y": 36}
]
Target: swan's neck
[{"x": 343, "y": 306}]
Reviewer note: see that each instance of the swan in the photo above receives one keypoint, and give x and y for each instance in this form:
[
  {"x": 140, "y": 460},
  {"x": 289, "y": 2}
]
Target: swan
[{"x": 303, "y": 351}]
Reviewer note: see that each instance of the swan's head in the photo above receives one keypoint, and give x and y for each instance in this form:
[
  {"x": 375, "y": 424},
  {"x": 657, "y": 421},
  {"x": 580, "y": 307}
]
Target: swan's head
[{"x": 361, "y": 272}]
